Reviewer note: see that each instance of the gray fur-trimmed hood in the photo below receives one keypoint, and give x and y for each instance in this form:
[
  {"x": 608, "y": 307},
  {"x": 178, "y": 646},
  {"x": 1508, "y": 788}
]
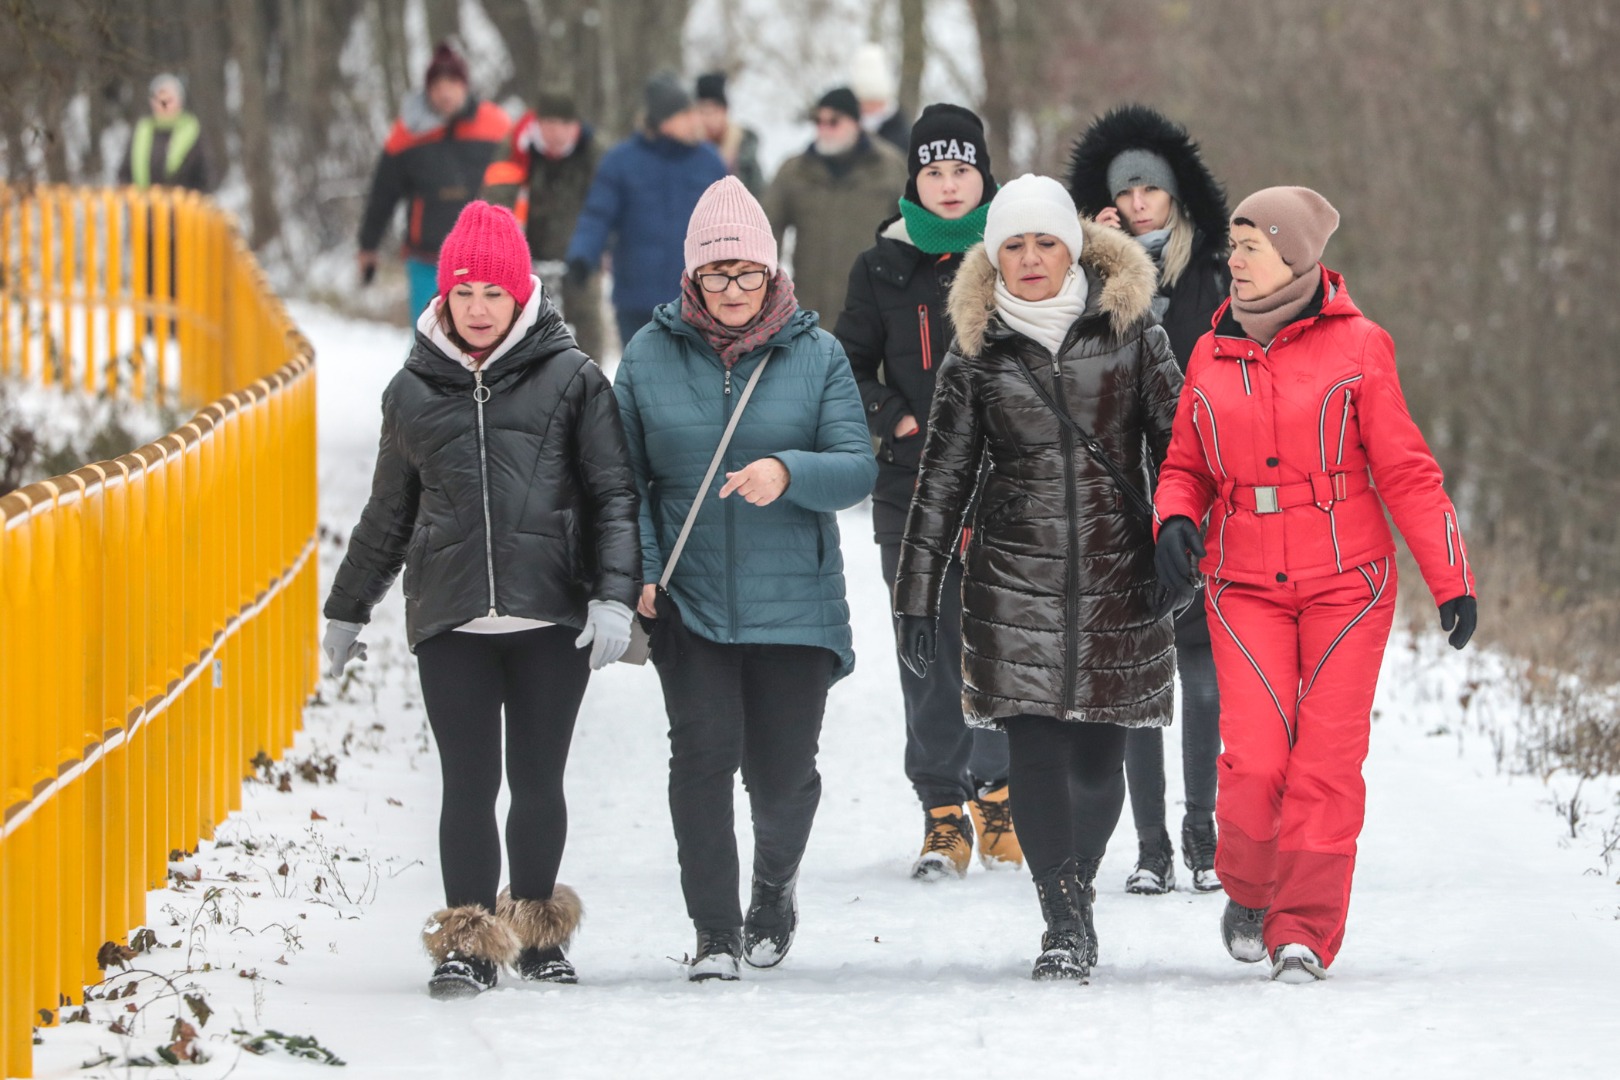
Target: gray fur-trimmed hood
[{"x": 1120, "y": 277}]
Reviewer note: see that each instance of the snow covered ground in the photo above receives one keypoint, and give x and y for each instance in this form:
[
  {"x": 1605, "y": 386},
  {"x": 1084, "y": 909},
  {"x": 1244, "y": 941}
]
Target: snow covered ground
[{"x": 1478, "y": 945}]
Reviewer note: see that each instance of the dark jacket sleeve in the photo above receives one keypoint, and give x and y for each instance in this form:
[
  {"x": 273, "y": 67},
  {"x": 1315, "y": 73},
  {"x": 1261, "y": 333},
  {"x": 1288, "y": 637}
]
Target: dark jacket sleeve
[
  {"x": 610, "y": 485},
  {"x": 860, "y": 330},
  {"x": 195, "y": 172},
  {"x": 378, "y": 543},
  {"x": 748, "y": 168},
  {"x": 126, "y": 168},
  {"x": 950, "y": 470},
  {"x": 387, "y": 188},
  {"x": 841, "y": 470},
  {"x": 1158, "y": 391},
  {"x": 600, "y": 215},
  {"x": 624, "y": 391}
]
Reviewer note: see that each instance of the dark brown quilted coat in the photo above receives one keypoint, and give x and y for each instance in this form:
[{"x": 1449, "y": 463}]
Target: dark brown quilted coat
[{"x": 1058, "y": 588}]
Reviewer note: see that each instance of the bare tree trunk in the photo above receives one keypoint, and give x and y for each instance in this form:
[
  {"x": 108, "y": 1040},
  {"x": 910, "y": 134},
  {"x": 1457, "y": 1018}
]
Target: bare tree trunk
[
  {"x": 443, "y": 20},
  {"x": 248, "y": 33},
  {"x": 205, "y": 84},
  {"x": 644, "y": 37},
  {"x": 515, "y": 21},
  {"x": 997, "y": 106},
  {"x": 913, "y": 54}
]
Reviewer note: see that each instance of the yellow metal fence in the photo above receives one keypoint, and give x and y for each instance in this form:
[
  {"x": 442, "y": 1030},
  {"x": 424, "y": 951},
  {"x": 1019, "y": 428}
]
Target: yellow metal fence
[{"x": 157, "y": 612}]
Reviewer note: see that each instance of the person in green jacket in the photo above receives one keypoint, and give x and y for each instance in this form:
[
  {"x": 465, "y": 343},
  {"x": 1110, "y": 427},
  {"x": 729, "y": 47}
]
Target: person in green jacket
[
  {"x": 754, "y": 626},
  {"x": 166, "y": 148}
]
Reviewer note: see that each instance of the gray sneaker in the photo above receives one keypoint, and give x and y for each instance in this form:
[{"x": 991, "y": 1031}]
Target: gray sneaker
[
  {"x": 1241, "y": 931},
  {"x": 1296, "y": 964}
]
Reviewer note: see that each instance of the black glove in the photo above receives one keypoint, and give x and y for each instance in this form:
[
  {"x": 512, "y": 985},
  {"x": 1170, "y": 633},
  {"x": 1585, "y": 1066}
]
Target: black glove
[
  {"x": 1177, "y": 538},
  {"x": 1459, "y": 616},
  {"x": 918, "y": 643},
  {"x": 579, "y": 273}
]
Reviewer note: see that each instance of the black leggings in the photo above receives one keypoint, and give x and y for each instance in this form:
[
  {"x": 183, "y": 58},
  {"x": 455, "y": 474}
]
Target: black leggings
[
  {"x": 1067, "y": 787},
  {"x": 540, "y": 678}
]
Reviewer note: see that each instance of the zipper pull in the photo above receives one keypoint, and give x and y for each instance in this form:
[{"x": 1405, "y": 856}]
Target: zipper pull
[
  {"x": 480, "y": 391},
  {"x": 728, "y": 382}
]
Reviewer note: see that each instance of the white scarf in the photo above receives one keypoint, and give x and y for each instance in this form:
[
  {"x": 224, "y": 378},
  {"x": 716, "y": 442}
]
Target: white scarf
[
  {"x": 1044, "y": 321},
  {"x": 428, "y": 323}
]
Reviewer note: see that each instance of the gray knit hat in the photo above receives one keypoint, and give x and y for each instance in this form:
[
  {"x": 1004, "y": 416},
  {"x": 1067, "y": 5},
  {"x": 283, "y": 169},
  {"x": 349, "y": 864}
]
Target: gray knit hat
[
  {"x": 1297, "y": 221},
  {"x": 1141, "y": 168},
  {"x": 664, "y": 96}
]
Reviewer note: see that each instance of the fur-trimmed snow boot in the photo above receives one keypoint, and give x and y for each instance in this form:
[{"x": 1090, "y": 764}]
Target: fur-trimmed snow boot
[
  {"x": 544, "y": 928},
  {"x": 469, "y": 945},
  {"x": 1065, "y": 948}
]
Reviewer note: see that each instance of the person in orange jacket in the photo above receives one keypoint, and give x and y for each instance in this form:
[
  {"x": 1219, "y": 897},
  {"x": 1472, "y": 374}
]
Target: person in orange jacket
[{"x": 1291, "y": 438}]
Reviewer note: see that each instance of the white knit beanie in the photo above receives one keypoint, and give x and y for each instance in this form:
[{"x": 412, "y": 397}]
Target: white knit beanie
[
  {"x": 1033, "y": 204},
  {"x": 869, "y": 74}
]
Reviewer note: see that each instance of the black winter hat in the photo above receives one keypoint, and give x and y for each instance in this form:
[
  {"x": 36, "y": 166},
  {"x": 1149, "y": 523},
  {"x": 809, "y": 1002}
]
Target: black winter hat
[
  {"x": 711, "y": 86},
  {"x": 839, "y": 99},
  {"x": 556, "y": 104},
  {"x": 947, "y": 132}
]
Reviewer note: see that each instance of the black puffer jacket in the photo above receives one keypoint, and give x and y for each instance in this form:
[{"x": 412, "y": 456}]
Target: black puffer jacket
[
  {"x": 522, "y": 505},
  {"x": 895, "y": 329},
  {"x": 1204, "y": 282},
  {"x": 1058, "y": 587}
]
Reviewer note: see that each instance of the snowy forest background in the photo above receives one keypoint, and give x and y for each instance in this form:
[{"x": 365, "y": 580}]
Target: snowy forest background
[{"x": 1470, "y": 145}]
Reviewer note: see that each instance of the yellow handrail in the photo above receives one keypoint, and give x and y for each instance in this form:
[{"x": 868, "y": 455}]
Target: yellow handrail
[{"x": 157, "y": 612}]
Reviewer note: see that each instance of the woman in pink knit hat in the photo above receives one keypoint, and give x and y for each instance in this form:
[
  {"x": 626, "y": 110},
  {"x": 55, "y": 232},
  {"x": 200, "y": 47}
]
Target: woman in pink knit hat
[
  {"x": 751, "y": 626},
  {"x": 1291, "y": 440},
  {"x": 503, "y": 488}
]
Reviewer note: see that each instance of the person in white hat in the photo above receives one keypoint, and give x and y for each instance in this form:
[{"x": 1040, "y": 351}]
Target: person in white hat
[{"x": 873, "y": 82}]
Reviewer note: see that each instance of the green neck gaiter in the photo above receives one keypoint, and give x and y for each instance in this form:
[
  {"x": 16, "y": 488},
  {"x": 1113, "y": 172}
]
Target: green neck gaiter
[{"x": 934, "y": 235}]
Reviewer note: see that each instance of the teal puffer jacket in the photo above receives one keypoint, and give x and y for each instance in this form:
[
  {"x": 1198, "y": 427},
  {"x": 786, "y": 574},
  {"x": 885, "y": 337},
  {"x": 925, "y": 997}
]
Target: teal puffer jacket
[{"x": 750, "y": 574}]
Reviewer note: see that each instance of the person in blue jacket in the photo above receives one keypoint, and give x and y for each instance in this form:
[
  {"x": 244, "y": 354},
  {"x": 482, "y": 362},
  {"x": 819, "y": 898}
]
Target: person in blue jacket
[
  {"x": 643, "y": 193},
  {"x": 754, "y": 627}
]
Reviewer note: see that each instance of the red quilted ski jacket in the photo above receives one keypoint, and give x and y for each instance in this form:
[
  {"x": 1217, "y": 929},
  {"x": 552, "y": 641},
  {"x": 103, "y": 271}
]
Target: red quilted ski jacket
[{"x": 1293, "y": 451}]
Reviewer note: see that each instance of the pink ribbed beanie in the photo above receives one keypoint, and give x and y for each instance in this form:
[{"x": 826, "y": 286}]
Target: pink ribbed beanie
[
  {"x": 728, "y": 223},
  {"x": 486, "y": 245}
]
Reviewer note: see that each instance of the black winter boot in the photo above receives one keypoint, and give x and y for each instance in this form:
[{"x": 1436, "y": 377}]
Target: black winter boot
[
  {"x": 1086, "y": 869},
  {"x": 1241, "y": 930},
  {"x": 773, "y": 916},
  {"x": 1065, "y": 948},
  {"x": 1155, "y": 872},
  {"x": 1198, "y": 852},
  {"x": 544, "y": 928}
]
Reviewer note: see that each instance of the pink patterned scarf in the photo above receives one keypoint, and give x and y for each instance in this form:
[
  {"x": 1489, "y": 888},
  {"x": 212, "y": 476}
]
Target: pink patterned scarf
[{"x": 735, "y": 342}]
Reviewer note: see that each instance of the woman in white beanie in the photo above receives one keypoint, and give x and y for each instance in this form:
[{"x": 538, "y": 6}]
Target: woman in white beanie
[{"x": 1062, "y": 379}]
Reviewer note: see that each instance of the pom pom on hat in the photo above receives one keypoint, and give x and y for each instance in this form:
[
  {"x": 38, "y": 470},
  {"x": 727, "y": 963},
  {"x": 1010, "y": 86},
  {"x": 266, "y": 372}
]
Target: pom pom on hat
[
  {"x": 728, "y": 223},
  {"x": 446, "y": 64},
  {"x": 1033, "y": 204},
  {"x": 486, "y": 245}
]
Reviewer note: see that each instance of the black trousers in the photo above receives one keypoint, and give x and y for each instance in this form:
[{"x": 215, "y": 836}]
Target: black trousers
[
  {"x": 1200, "y": 746},
  {"x": 754, "y": 707},
  {"x": 1067, "y": 788},
  {"x": 539, "y": 678},
  {"x": 946, "y": 760}
]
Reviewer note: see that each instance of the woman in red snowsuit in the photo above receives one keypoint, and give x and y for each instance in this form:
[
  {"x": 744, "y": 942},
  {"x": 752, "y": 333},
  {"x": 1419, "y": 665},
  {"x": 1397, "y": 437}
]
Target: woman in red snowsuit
[{"x": 1291, "y": 437}]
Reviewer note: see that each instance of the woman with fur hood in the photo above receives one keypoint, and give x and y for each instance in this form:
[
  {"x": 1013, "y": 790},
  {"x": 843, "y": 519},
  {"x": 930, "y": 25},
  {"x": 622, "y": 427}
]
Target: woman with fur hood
[
  {"x": 1060, "y": 378},
  {"x": 503, "y": 488},
  {"x": 1139, "y": 171}
]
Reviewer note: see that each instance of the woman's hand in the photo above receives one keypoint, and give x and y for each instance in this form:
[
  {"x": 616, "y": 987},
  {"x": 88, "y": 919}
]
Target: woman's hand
[
  {"x": 761, "y": 483},
  {"x": 1109, "y": 215},
  {"x": 645, "y": 604},
  {"x": 907, "y": 426}
]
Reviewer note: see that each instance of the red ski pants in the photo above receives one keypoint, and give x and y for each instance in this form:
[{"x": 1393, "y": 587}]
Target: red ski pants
[{"x": 1297, "y": 664}]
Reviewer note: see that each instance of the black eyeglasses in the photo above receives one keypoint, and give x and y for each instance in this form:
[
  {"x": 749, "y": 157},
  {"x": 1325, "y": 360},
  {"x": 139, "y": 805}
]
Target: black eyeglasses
[{"x": 747, "y": 281}]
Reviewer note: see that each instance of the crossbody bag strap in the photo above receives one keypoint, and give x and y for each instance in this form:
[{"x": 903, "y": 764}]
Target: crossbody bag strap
[
  {"x": 1132, "y": 493},
  {"x": 708, "y": 477}
]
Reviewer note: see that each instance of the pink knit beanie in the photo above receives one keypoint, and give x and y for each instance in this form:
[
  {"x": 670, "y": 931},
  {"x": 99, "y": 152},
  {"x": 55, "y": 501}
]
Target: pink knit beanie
[
  {"x": 728, "y": 223},
  {"x": 486, "y": 245},
  {"x": 1297, "y": 221}
]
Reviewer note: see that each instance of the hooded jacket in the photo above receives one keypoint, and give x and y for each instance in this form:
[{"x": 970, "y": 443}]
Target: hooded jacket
[
  {"x": 1317, "y": 419},
  {"x": 1058, "y": 586},
  {"x": 749, "y": 574},
  {"x": 896, "y": 327},
  {"x": 522, "y": 504}
]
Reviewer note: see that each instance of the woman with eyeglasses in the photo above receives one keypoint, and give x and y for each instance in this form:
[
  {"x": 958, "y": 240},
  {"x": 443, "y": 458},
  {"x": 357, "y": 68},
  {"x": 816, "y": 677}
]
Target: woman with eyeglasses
[{"x": 753, "y": 626}]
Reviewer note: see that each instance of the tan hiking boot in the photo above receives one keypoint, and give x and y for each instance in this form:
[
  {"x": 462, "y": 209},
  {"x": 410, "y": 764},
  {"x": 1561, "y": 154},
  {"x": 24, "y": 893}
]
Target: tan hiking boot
[
  {"x": 992, "y": 820},
  {"x": 947, "y": 845}
]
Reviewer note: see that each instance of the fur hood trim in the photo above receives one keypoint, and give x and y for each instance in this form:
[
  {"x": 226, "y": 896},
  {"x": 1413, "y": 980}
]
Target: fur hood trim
[
  {"x": 542, "y": 924},
  {"x": 1121, "y": 280},
  {"x": 469, "y": 931},
  {"x": 1140, "y": 127}
]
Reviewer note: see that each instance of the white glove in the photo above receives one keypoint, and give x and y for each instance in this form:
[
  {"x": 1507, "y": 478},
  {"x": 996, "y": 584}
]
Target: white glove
[
  {"x": 607, "y": 632},
  {"x": 341, "y": 644}
]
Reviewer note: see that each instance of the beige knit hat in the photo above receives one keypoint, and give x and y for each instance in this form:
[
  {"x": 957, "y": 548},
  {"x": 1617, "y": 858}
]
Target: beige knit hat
[
  {"x": 728, "y": 223},
  {"x": 1297, "y": 221}
]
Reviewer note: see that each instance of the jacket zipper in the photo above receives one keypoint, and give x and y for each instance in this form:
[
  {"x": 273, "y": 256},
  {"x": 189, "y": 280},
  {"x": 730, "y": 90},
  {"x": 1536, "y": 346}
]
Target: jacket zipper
[
  {"x": 1344, "y": 425},
  {"x": 925, "y": 337},
  {"x": 1071, "y": 608},
  {"x": 481, "y": 395},
  {"x": 1451, "y": 547}
]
